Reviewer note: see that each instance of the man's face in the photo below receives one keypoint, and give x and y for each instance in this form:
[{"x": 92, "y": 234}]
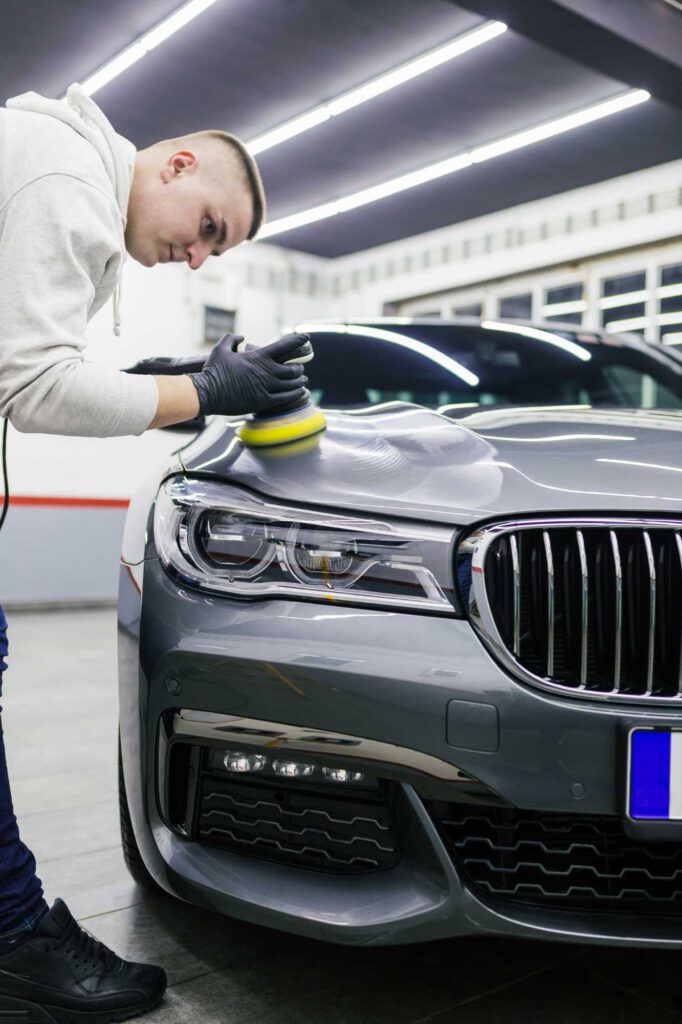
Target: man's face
[{"x": 186, "y": 206}]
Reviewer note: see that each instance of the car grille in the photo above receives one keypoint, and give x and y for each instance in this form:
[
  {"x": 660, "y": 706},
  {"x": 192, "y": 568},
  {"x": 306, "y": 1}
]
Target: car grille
[
  {"x": 572, "y": 861},
  {"x": 305, "y": 826},
  {"x": 590, "y": 607}
]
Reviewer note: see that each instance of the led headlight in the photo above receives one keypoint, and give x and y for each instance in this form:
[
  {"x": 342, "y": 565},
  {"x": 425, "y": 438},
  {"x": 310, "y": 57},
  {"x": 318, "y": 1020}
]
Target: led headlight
[{"x": 221, "y": 538}]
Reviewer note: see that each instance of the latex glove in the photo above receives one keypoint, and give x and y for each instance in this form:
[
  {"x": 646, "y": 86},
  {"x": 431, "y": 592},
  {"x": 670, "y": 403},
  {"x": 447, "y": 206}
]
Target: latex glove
[{"x": 232, "y": 383}]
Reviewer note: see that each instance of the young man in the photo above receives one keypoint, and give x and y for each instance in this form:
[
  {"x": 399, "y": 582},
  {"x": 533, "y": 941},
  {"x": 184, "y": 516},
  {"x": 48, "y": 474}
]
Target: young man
[{"x": 74, "y": 197}]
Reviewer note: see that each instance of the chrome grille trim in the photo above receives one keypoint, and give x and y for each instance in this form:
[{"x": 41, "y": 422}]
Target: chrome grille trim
[
  {"x": 651, "y": 566},
  {"x": 618, "y": 614},
  {"x": 549, "y": 562},
  {"x": 592, "y": 608},
  {"x": 584, "y": 606},
  {"x": 678, "y": 541},
  {"x": 517, "y": 594}
]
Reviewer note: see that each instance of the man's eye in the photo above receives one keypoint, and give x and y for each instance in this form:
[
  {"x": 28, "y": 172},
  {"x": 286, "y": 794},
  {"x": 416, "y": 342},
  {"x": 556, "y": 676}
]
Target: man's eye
[{"x": 209, "y": 227}]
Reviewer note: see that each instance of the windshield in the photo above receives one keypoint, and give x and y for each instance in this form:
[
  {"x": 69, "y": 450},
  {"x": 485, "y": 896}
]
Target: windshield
[{"x": 501, "y": 364}]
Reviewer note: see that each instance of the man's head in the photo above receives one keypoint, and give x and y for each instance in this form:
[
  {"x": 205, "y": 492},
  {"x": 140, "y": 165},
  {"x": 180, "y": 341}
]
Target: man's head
[{"x": 193, "y": 197}]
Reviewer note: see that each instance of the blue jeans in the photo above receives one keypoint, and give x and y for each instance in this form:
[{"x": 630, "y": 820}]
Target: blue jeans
[{"x": 21, "y": 893}]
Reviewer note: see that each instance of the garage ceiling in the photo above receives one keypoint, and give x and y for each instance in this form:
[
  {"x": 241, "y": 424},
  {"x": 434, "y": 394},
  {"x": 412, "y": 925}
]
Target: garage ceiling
[{"x": 249, "y": 65}]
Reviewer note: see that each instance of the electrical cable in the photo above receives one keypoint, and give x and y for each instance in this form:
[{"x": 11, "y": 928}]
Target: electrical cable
[{"x": 5, "y": 477}]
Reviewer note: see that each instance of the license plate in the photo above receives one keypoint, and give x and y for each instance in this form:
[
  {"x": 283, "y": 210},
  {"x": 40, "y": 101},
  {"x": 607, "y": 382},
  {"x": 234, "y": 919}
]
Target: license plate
[{"x": 654, "y": 790}]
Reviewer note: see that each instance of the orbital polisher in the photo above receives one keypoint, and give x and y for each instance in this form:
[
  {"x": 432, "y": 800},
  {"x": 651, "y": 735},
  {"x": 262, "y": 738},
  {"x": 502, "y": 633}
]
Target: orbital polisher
[
  {"x": 279, "y": 425},
  {"x": 283, "y": 424}
]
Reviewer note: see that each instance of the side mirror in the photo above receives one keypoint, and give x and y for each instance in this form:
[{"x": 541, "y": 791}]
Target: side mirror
[{"x": 163, "y": 365}]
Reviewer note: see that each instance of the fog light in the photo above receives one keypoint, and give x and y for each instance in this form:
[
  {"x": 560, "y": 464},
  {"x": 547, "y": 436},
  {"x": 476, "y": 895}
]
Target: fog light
[
  {"x": 237, "y": 761},
  {"x": 292, "y": 769},
  {"x": 342, "y": 775}
]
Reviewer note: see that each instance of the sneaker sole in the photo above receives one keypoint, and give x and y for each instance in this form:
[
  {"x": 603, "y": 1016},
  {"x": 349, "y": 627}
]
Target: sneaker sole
[{"x": 19, "y": 1011}]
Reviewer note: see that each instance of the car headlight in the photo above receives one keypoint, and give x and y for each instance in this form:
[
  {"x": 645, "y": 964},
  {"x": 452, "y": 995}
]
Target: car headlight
[{"x": 221, "y": 538}]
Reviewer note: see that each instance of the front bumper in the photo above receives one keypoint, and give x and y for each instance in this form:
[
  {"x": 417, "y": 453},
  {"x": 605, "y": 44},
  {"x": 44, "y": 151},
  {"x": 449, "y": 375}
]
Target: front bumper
[{"x": 390, "y": 678}]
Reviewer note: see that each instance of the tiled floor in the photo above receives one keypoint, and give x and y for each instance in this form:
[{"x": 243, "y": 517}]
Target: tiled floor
[{"x": 60, "y": 725}]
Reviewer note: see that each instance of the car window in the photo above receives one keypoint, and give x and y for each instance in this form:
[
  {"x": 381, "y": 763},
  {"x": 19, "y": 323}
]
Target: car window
[{"x": 440, "y": 364}]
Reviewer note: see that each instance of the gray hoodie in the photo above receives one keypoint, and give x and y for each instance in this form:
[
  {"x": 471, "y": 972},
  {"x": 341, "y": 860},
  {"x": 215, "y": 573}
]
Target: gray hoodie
[{"x": 65, "y": 179}]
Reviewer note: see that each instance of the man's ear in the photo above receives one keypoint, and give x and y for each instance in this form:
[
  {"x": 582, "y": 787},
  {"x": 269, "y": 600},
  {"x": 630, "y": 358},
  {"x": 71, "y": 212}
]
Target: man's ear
[{"x": 182, "y": 162}]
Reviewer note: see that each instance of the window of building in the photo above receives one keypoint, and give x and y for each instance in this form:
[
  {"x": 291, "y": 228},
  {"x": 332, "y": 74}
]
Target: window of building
[
  {"x": 623, "y": 302},
  {"x": 469, "y": 309},
  {"x": 564, "y": 304},
  {"x": 516, "y": 307},
  {"x": 669, "y": 304}
]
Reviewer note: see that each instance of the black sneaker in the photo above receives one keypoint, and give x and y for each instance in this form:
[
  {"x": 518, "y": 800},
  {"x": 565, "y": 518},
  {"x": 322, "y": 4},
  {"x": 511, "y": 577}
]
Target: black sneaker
[{"x": 63, "y": 975}]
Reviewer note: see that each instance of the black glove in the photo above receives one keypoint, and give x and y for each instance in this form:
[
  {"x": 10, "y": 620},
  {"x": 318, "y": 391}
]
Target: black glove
[{"x": 232, "y": 383}]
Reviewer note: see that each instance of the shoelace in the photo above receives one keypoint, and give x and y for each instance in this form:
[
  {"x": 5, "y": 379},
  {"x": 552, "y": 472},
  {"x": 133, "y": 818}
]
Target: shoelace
[{"x": 85, "y": 948}]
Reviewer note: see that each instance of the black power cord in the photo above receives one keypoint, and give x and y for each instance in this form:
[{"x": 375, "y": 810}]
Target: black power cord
[{"x": 5, "y": 478}]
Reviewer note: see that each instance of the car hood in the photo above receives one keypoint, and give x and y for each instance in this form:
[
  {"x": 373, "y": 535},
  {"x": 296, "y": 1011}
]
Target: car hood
[{"x": 410, "y": 461}]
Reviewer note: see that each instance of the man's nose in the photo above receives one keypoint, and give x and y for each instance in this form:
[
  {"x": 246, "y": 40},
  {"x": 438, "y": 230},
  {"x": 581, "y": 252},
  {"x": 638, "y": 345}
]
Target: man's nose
[{"x": 196, "y": 254}]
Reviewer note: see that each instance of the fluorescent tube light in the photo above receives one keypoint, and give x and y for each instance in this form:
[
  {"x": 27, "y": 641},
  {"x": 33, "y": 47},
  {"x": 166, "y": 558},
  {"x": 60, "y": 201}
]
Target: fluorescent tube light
[
  {"x": 624, "y": 299},
  {"x": 142, "y": 46},
  {"x": 562, "y": 124},
  {"x": 404, "y": 340},
  {"x": 454, "y": 163},
  {"x": 383, "y": 83},
  {"x": 664, "y": 319},
  {"x": 367, "y": 195},
  {"x": 633, "y": 323},
  {"x": 673, "y": 339},
  {"x": 559, "y": 308},
  {"x": 534, "y": 332},
  {"x": 667, "y": 291}
]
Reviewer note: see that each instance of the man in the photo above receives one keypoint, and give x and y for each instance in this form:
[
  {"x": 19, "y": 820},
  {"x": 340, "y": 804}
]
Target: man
[{"x": 74, "y": 196}]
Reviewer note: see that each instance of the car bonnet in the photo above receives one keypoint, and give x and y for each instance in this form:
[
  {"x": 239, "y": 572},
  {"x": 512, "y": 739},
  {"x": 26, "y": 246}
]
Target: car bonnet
[{"x": 413, "y": 462}]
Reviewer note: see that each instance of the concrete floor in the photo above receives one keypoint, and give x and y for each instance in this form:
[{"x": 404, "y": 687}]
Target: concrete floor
[{"x": 60, "y": 718}]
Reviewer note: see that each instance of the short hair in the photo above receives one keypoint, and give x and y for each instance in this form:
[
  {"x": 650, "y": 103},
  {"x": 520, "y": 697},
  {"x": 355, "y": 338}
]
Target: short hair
[
  {"x": 251, "y": 175},
  {"x": 246, "y": 162}
]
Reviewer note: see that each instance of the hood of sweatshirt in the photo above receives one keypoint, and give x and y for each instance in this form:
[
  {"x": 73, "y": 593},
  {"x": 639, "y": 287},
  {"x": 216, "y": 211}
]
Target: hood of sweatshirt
[{"x": 81, "y": 113}]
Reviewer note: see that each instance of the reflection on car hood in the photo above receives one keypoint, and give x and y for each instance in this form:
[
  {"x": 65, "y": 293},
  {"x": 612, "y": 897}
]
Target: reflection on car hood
[{"x": 410, "y": 461}]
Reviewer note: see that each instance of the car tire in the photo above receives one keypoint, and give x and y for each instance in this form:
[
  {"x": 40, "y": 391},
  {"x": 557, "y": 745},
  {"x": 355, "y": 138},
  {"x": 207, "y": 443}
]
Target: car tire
[{"x": 131, "y": 851}]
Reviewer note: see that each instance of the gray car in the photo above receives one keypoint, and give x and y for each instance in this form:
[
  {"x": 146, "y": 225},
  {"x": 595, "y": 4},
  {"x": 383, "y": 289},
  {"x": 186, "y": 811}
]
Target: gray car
[{"x": 419, "y": 675}]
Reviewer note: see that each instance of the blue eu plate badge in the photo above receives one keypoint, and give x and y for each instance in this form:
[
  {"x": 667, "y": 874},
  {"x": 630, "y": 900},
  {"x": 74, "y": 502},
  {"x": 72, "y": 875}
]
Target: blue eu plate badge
[{"x": 655, "y": 775}]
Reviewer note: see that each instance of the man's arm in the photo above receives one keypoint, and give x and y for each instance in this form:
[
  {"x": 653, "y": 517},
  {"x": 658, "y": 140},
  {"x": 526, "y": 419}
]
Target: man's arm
[
  {"x": 178, "y": 401},
  {"x": 56, "y": 236}
]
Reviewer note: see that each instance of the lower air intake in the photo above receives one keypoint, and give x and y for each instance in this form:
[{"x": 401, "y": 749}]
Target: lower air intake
[
  {"x": 304, "y": 826},
  {"x": 578, "y": 862}
]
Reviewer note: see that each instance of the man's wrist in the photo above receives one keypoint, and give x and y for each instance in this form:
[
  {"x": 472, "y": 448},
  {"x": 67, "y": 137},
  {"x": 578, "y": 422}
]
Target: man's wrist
[{"x": 178, "y": 400}]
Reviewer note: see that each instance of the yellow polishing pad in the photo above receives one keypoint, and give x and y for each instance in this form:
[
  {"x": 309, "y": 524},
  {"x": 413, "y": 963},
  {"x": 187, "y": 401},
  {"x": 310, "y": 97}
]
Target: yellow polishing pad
[{"x": 260, "y": 432}]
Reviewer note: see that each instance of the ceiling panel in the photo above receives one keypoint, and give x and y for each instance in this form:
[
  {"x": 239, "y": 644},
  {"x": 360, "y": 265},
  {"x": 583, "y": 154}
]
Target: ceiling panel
[
  {"x": 248, "y": 65},
  {"x": 484, "y": 95},
  {"x": 641, "y": 137}
]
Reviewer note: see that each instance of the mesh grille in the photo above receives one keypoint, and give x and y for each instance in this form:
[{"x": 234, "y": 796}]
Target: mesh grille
[
  {"x": 572, "y": 861},
  {"x": 304, "y": 826},
  {"x": 592, "y": 607}
]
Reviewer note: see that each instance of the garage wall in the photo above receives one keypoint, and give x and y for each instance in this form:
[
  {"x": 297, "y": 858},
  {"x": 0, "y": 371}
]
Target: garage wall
[{"x": 418, "y": 275}]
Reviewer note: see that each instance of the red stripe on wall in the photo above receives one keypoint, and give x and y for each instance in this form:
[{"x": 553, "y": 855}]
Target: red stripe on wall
[{"x": 36, "y": 501}]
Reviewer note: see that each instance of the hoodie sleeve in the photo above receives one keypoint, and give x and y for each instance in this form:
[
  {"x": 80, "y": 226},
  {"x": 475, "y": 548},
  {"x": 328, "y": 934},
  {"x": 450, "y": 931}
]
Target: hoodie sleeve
[{"x": 57, "y": 235}]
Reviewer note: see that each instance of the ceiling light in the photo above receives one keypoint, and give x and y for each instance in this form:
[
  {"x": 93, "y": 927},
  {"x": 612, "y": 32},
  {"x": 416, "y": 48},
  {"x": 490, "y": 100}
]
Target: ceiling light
[
  {"x": 454, "y": 163},
  {"x": 667, "y": 291},
  {"x": 623, "y": 299},
  {"x": 664, "y": 319},
  {"x": 562, "y": 124},
  {"x": 383, "y": 83},
  {"x": 560, "y": 308},
  {"x": 142, "y": 46},
  {"x": 633, "y": 323},
  {"x": 404, "y": 340},
  {"x": 672, "y": 339},
  {"x": 534, "y": 332}
]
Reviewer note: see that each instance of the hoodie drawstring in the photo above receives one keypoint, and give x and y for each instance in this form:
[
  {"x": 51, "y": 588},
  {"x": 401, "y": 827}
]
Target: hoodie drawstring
[{"x": 117, "y": 308}]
